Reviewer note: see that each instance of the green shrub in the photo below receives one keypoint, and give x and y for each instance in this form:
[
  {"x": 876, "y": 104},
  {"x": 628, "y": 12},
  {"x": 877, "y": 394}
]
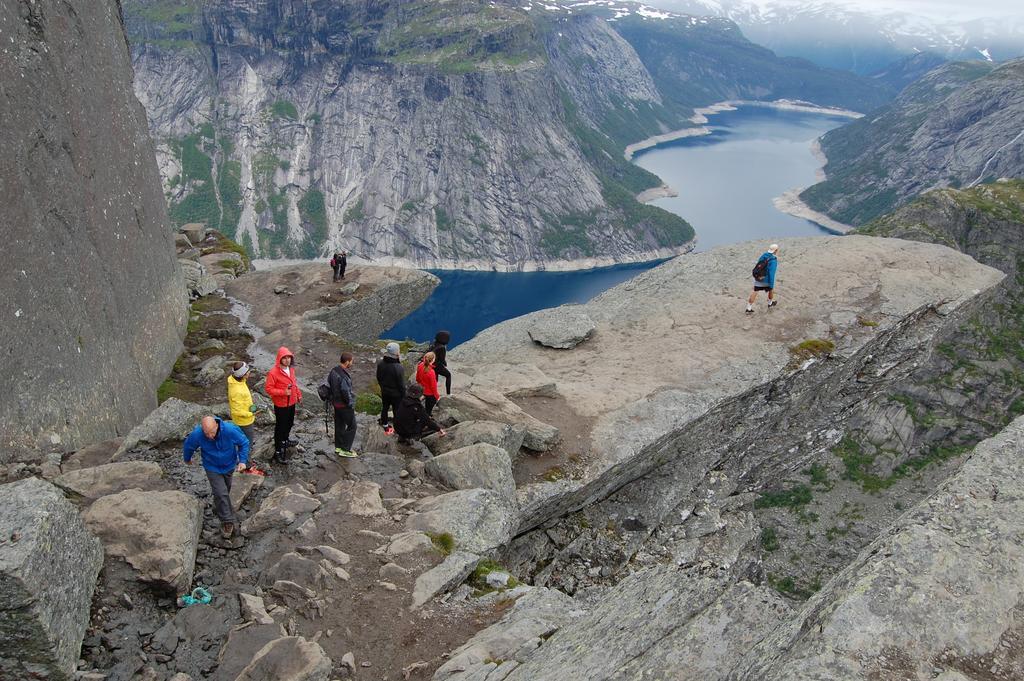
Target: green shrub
[
  {"x": 769, "y": 539},
  {"x": 443, "y": 542},
  {"x": 368, "y": 403},
  {"x": 791, "y": 498}
]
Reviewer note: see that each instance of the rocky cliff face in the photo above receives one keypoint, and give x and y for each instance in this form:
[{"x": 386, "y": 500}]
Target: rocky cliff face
[
  {"x": 958, "y": 126},
  {"x": 94, "y": 303},
  {"x": 465, "y": 133}
]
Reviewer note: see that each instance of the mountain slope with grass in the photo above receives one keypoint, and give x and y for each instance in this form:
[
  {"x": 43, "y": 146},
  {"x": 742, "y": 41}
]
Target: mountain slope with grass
[
  {"x": 960, "y": 125},
  {"x": 457, "y": 133}
]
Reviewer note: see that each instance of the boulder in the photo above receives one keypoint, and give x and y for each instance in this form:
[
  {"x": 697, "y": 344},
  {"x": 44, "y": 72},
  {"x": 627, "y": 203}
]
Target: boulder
[
  {"x": 174, "y": 419},
  {"x": 253, "y": 609},
  {"x": 93, "y": 483},
  {"x": 48, "y": 567},
  {"x": 198, "y": 280},
  {"x": 505, "y": 435},
  {"x": 514, "y": 380},
  {"x": 479, "y": 465},
  {"x": 482, "y": 404},
  {"x": 349, "y": 288},
  {"x": 210, "y": 372},
  {"x": 562, "y": 327},
  {"x": 156, "y": 532},
  {"x": 405, "y": 543},
  {"x": 194, "y": 232},
  {"x": 242, "y": 487},
  {"x": 355, "y": 498},
  {"x": 238, "y": 650},
  {"x": 292, "y": 567},
  {"x": 91, "y": 455},
  {"x": 441, "y": 578},
  {"x": 281, "y": 508},
  {"x": 329, "y": 553},
  {"x": 478, "y": 519},
  {"x": 291, "y": 658}
]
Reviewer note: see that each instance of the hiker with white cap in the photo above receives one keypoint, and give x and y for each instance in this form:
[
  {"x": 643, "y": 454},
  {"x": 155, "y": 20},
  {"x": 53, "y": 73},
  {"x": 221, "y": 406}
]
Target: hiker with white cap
[
  {"x": 764, "y": 277},
  {"x": 243, "y": 411},
  {"x": 391, "y": 379}
]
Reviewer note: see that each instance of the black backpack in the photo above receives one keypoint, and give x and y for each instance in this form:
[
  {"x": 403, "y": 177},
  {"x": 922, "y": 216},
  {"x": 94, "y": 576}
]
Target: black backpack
[
  {"x": 760, "y": 270},
  {"x": 323, "y": 391}
]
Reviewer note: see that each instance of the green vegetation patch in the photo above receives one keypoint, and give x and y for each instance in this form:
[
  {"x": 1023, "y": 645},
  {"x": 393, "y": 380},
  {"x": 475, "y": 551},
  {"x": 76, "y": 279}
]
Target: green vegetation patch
[
  {"x": 769, "y": 539},
  {"x": 282, "y": 108},
  {"x": 792, "y": 498},
  {"x": 368, "y": 403},
  {"x": 443, "y": 221},
  {"x": 443, "y": 542},
  {"x": 355, "y": 213},
  {"x": 814, "y": 347},
  {"x": 313, "y": 212},
  {"x": 478, "y": 580}
]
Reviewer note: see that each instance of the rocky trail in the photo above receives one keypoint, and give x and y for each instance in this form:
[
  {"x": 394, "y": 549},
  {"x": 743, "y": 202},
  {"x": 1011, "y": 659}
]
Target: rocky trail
[{"x": 590, "y": 514}]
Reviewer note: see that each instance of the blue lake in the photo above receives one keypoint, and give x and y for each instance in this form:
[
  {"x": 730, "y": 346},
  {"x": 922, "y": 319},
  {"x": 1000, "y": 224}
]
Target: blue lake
[{"x": 726, "y": 182}]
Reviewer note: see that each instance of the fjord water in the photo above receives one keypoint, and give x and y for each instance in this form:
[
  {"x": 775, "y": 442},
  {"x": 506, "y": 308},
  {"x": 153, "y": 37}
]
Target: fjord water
[{"x": 726, "y": 182}]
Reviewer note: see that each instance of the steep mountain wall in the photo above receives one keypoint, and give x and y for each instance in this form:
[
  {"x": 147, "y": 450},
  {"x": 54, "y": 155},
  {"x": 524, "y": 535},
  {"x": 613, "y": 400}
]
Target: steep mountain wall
[
  {"x": 958, "y": 126},
  {"x": 463, "y": 133},
  {"x": 94, "y": 304}
]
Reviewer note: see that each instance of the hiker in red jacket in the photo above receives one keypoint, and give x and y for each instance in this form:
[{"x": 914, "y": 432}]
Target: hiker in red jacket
[
  {"x": 283, "y": 389},
  {"x": 426, "y": 377}
]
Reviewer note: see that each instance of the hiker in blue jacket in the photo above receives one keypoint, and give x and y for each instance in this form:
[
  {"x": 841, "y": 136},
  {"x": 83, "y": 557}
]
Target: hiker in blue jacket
[
  {"x": 765, "y": 282},
  {"x": 225, "y": 449}
]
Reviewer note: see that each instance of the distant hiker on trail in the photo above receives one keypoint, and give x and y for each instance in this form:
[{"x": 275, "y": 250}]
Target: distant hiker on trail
[
  {"x": 225, "y": 449},
  {"x": 243, "y": 411},
  {"x": 283, "y": 388},
  {"x": 440, "y": 350},
  {"x": 411, "y": 420},
  {"x": 764, "y": 277},
  {"x": 338, "y": 263},
  {"x": 343, "y": 398},
  {"x": 426, "y": 377},
  {"x": 391, "y": 379}
]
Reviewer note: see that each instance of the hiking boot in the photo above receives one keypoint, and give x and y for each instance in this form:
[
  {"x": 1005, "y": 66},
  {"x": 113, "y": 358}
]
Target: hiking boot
[
  {"x": 772, "y": 303},
  {"x": 750, "y": 310},
  {"x": 290, "y": 443},
  {"x": 227, "y": 529},
  {"x": 344, "y": 453}
]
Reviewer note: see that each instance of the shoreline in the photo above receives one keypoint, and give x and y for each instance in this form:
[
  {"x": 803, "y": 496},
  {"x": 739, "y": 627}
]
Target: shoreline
[
  {"x": 263, "y": 264},
  {"x": 701, "y": 114},
  {"x": 654, "y": 193},
  {"x": 791, "y": 204}
]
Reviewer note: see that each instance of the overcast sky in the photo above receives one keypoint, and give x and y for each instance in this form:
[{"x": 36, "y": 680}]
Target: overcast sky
[{"x": 935, "y": 9}]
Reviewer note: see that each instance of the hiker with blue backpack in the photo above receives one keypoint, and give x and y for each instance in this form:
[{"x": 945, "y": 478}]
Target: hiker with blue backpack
[{"x": 764, "y": 277}]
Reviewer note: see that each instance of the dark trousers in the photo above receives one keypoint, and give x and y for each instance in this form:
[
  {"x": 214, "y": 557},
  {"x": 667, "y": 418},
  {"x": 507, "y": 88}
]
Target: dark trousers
[
  {"x": 428, "y": 403},
  {"x": 284, "y": 419},
  {"x": 344, "y": 427},
  {"x": 443, "y": 371},
  {"x": 388, "y": 402},
  {"x": 220, "y": 485},
  {"x": 339, "y": 272}
]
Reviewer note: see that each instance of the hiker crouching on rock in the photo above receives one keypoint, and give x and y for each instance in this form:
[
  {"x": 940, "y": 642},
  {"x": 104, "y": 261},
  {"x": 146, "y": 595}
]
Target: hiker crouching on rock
[
  {"x": 343, "y": 398},
  {"x": 243, "y": 411},
  {"x": 426, "y": 377},
  {"x": 225, "y": 449},
  {"x": 764, "y": 277},
  {"x": 411, "y": 420},
  {"x": 391, "y": 379},
  {"x": 283, "y": 388}
]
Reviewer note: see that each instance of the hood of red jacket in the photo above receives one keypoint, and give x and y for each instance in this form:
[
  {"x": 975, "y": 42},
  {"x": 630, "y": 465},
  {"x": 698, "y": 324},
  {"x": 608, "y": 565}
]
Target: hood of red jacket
[{"x": 283, "y": 352}]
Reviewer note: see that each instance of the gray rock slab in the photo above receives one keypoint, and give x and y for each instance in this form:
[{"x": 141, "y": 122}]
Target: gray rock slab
[
  {"x": 480, "y": 465},
  {"x": 405, "y": 543},
  {"x": 237, "y": 652},
  {"x": 48, "y": 567},
  {"x": 942, "y": 588},
  {"x": 513, "y": 380},
  {"x": 631, "y": 400},
  {"x": 360, "y": 498},
  {"x": 452, "y": 571},
  {"x": 157, "y": 533},
  {"x": 291, "y": 658},
  {"x": 478, "y": 519},
  {"x": 483, "y": 404},
  {"x": 562, "y": 327},
  {"x": 242, "y": 487},
  {"x": 253, "y": 609},
  {"x": 211, "y": 371},
  {"x": 92, "y": 455},
  {"x": 281, "y": 508},
  {"x": 174, "y": 419},
  {"x": 93, "y": 483},
  {"x": 534, "y": 616},
  {"x": 505, "y": 435}
]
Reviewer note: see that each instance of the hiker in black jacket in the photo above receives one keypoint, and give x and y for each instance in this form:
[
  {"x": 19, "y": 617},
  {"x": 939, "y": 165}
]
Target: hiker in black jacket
[
  {"x": 412, "y": 420},
  {"x": 343, "y": 399},
  {"x": 440, "y": 350},
  {"x": 391, "y": 379}
]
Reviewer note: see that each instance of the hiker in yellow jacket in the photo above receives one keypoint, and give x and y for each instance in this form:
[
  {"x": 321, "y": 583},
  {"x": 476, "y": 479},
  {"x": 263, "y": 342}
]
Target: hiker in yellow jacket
[{"x": 243, "y": 411}]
